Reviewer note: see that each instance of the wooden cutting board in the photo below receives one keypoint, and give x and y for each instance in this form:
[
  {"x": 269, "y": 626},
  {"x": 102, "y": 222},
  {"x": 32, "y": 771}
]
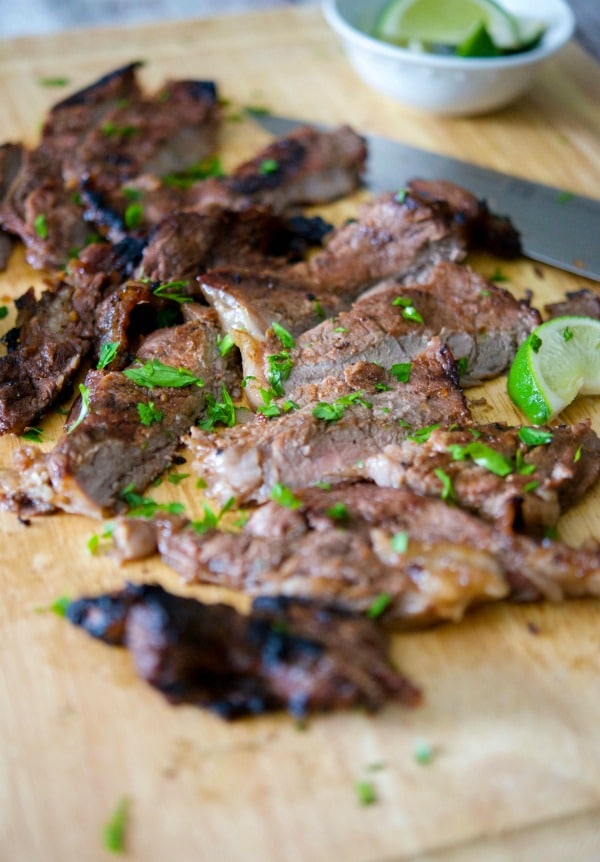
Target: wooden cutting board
[{"x": 512, "y": 701}]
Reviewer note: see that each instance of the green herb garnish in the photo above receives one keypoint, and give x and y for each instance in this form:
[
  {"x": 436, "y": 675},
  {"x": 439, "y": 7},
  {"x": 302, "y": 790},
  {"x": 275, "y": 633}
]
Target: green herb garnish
[
  {"x": 149, "y": 414},
  {"x": 534, "y": 436},
  {"x": 286, "y": 337},
  {"x": 114, "y": 830},
  {"x": 268, "y": 166},
  {"x": 173, "y": 290},
  {"x": 422, "y": 435},
  {"x": 225, "y": 343},
  {"x": 399, "y": 542},
  {"x": 409, "y": 312},
  {"x": 280, "y": 367},
  {"x": 146, "y": 507},
  {"x": 379, "y": 604},
  {"x": 33, "y": 434},
  {"x": 365, "y": 792},
  {"x": 156, "y": 373},
  {"x": 338, "y": 512},
  {"x": 211, "y": 518},
  {"x": 401, "y": 371},
  {"x": 424, "y": 753},
  {"x": 108, "y": 352},
  {"x": 54, "y": 82},
  {"x": 40, "y": 226},
  {"x": 133, "y": 216},
  {"x": 3, "y": 312},
  {"x": 209, "y": 167},
  {"x": 483, "y": 456},
  {"x": 285, "y": 497},
  {"x": 176, "y": 478},
  {"x": 332, "y": 412},
  {"x": 447, "y": 490},
  {"x": 218, "y": 412}
]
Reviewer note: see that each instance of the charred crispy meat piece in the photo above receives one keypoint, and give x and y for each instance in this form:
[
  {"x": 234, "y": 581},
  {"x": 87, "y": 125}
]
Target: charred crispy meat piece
[
  {"x": 580, "y": 302},
  {"x": 128, "y": 433},
  {"x": 355, "y": 543},
  {"x": 366, "y": 410},
  {"x": 294, "y": 654},
  {"x": 55, "y": 333}
]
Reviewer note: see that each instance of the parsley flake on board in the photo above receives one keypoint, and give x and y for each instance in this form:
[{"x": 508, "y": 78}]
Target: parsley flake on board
[
  {"x": 59, "y": 606},
  {"x": 3, "y": 312},
  {"x": 156, "y": 373},
  {"x": 146, "y": 507},
  {"x": 149, "y": 414},
  {"x": 108, "y": 352},
  {"x": 115, "y": 828},
  {"x": 285, "y": 497},
  {"x": 365, "y": 792},
  {"x": 211, "y": 519},
  {"x": 33, "y": 434},
  {"x": 209, "y": 167},
  {"x": 57, "y": 81},
  {"x": 280, "y": 367},
  {"x": 399, "y": 542}
]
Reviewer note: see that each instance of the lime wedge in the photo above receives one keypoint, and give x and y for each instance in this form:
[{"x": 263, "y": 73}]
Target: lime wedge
[
  {"x": 556, "y": 362},
  {"x": 445, "y": 22}
]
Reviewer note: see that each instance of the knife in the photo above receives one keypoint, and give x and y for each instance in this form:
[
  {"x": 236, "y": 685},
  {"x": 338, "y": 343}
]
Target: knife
[{"x": 556, "y": 227}]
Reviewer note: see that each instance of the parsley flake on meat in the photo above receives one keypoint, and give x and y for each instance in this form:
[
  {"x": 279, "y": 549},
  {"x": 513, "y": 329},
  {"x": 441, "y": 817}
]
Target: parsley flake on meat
[
  {"x": 40, "y": 226},
  {"x": 534, "y": 436},
  {"x": 483, "y": 456},
  {"x": 149, "y": 414},
  {"x": 285, "y": 497},
  {"x": 409, "y": 312},
  {"x": 85, "y": 407},
  {"x": 401, "y": 371},
  {"x": 333, "y": 412},
  {"x": 379, "y": 604},
  {"x": 173, "y": 290},
  {"x": 447, "y": 490},
  {"x": 156, "y": 373},
  {"x": 219, "y": 412},
  {"x": 108, "y": 352}
]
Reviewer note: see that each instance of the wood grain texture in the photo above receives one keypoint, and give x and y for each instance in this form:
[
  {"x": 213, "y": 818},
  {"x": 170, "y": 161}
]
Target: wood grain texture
[{"x": 512, "y": 716}]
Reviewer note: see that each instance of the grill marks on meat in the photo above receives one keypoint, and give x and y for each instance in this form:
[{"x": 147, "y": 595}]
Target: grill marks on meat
[
  {"x": 452, "y": 561},
  {"x": 111, "y": 448},
  {"x": 102, "y": 137},
  {"x": 545, "y": 480},
  {"x": 292, "y": 654},
  {"x": 299, "y": 449},
  {"x": 54, "y": 334}
]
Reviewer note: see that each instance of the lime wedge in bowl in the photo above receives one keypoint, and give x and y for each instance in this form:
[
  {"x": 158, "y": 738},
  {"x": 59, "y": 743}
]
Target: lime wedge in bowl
[
  {"x": 445, "y": 22},
  {"x": 557, "y": 361}
]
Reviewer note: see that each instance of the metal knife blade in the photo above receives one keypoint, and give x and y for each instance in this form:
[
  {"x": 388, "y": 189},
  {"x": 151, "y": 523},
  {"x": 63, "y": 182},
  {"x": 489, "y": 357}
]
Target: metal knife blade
[{"x": 556, "y": 228}]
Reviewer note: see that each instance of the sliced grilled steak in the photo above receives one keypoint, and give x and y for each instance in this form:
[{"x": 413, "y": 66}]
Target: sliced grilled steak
[
  {"x": 54, "y": 334},
  {"x": 289, "y": 654},
  {"x": 185, "y": 244},
  {"x": 580, "y": 302},
  {"x": 299, "y": 449},
  {"x": 493, "y": 472},
  {"x": 358, "y": 542},
  {"x": 482, "y": 324},
  {"x": 116, "y": 445},
  {"x": 485, "y": 229}
]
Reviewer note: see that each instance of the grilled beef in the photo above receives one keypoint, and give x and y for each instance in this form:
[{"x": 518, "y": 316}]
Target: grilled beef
[
  {"x": 299, "y": 449},
  {"x": 54, "y": 334},
  {"x": 432, "y": 561},
  {"x": 580, "y": 302},
  {"x": 113, "y": 447},
  {"x": 292, "y": 654}
]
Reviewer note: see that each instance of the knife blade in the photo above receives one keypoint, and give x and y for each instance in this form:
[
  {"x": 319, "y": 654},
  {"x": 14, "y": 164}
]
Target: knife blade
[{"x": 556, "y": 227}]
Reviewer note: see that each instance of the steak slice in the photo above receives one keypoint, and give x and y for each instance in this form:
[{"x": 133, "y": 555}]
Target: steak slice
[
  {"x": 294, "y": 654},
  {"x": 356, "y": 543},
  {"x": 55, "y": 333},
  {"x": 113, "y": 448},
  {"x": 579, "y": 302},
  {"x": 299, "y": 449},
  {"x": 494, "y": 473},
  {"x": 482, "y": 324}
]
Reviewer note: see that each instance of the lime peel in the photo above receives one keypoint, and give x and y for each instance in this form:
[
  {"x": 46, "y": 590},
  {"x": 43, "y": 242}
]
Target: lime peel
[{"x": 557, "y": 361}]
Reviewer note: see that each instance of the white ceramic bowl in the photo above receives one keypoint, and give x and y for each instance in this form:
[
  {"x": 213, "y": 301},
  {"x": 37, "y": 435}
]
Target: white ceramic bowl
[{"x": 446, "y": 84}]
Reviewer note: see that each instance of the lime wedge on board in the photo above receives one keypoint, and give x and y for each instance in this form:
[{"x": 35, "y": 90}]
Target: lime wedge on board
[{"x": 557, "y": 361}]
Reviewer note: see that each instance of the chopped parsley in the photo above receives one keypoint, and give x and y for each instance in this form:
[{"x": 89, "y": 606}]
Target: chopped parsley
[
  {"x": 498, "y": 275},
  {"x": 577, "y": 455},
  {"x": 146, "y": 507},
  {"x": 286, "y": 337},
  {"x": 111, "y": 129},
  {"x": 3, "y": 312},
  {"x": 338, "y": 512},
  {"x": 176, "y": 478},
  {"x": 324, "y": 486},
  {"x": 365, "y": 792},
  {"x": 95, "y": 540},
  {"x": 280, "y": 367},
  {"x": 447, "y": 490},
  {"x": 33, "y": 434},
  {"x": 422, "y": 435},
  {"x": 59, "y": 606},
  {"x": 211, "y": 519},
  {"x": 400, "y": 195},
  {"x": 318, "y": 308},
  {"x": 225, "y": 343},
  {"x": 133, "y": 216},
  {"x": 523, "y": 468},
  {"x": 84, "y": 409},
  {"x": 156, "y": 373},
  {"x": 423, "y": 753},
  {"x": 333, "y": 412},
  {"x": 40, "y": 226},
  {"x": 483, "y": 456},
  {"x": 285, "y": 497},
  {"x": 379, "y": 604},
  {"x": 401, "y": 371},
  {"x": 54, "y": 82},
  {"x": 108, "y": 352},
  {"x": 114, "y": 830},
  {"x": 535, "y": 341},
  {"x": 564, "y": 197},
  {"x": 530, "y": 486},
  {"x": 173, "y": 290},
  {"x": 409, "y": 312},
  {"x": 219, "y": 412},
  {"x": 567, "y": 333},
  {"x": 399, "y": 542},
  {"x": 209, "y": 167},
  {"x": 268, "y": 166},
  {"x": 149, "y": 414},
  {"x": 534, "y": 436}
]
